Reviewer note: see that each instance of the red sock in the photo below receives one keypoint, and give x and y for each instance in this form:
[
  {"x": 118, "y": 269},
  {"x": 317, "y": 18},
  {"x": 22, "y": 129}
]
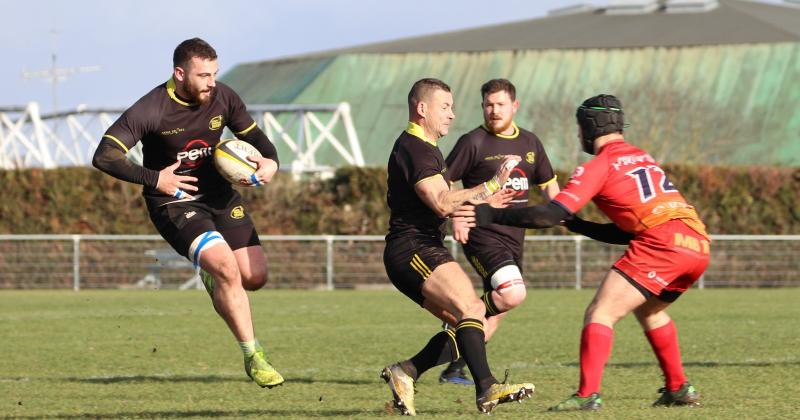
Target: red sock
[
  {"x": 596, "y": 340},
  {"x": 664, "y": 341}
]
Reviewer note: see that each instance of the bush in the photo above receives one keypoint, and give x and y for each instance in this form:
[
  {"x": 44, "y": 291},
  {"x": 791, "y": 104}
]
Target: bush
[{"x": 731, "y": 200}]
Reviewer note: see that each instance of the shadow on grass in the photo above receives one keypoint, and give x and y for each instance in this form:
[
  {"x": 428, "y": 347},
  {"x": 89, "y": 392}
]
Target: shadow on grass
[
  {"x": 213, "y": 413},
  {"x": 136, "y": 379}
]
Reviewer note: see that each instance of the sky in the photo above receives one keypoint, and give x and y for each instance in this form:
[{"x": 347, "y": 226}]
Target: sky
[{"x": 132, "y": 41}]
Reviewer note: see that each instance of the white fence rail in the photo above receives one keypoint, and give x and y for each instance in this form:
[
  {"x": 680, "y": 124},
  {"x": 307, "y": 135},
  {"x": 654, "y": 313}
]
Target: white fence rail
[
  {"x": 330, "y": 262},
  {"x": 69, "y": 138}
]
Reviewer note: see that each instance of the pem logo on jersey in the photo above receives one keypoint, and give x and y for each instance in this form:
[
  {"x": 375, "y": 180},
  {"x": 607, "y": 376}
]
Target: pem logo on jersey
[
  {"x": 517, "y": 181},
  {"x": 215, "y": 123},
  {"x": 194, "y": 153}
]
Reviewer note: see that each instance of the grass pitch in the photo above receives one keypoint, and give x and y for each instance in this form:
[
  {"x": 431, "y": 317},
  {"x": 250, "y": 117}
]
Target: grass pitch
[{"x": 165, "y": 354}]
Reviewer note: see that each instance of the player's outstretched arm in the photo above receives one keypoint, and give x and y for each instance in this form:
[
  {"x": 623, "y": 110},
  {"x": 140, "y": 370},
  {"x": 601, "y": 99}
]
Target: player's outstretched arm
[
  {"x": 535, "y": 217},
  {"x": 437, "y": 195},
  {"x": 603, "y": 232}
]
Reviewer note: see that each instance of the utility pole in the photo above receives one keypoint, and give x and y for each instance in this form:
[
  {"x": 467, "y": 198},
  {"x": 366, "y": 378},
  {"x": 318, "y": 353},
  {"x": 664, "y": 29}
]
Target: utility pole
[{"x": 55, "y": 74}]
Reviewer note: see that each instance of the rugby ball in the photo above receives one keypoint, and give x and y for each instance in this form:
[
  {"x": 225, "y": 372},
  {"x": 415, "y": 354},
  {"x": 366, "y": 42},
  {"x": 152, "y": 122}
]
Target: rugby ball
[{"x": 230, "y": 159}]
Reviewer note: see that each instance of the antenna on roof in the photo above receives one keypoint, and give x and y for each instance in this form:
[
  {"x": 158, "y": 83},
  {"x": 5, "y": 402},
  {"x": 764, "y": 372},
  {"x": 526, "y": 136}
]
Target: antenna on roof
[{"x": 631, "y": 7}]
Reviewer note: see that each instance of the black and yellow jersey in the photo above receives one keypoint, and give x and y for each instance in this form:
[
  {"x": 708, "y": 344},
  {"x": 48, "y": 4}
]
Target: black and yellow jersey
[
  {"x": 171, "y": 129},
  {"x": 476, "y": 157},
  {"x": 412, "y": 160}
]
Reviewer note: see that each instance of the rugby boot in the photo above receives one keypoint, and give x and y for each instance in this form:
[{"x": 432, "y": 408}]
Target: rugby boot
[
  {"x": 686, "y": 395},
  {"x": 503, "y": 393},
  {"x": 575, "y": 403},
  {"x": 402, "y": 387},
  {"x": 454, "y": 375},
  {"x": 208, "y": 282},
  {"x": 260, "y": 371}
]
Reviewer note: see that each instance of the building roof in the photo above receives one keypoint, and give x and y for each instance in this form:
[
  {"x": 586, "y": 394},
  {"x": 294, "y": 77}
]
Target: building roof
[
  {"x": 722, "y": 22},
  {"x": 719, "y": 86}
]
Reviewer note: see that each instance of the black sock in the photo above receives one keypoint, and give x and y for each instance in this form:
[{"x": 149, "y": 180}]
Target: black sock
[
  {"x": 441, "y": 348},
  {"x": 491, "y": 308},
  {"x": 470, "y": 339}
]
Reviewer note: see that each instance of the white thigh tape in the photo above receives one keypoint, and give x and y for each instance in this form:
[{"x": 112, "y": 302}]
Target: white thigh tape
[
  {"x": 507, "y": 277},
  {"x": 203, "y": 241}
]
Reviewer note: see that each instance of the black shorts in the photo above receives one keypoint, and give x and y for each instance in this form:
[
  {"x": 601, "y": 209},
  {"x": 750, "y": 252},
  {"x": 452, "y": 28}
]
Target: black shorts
[
  {"x": 180, "y": 223},
  {"x": 410, "y": 259},
  {"x": 487, "y": 254}
]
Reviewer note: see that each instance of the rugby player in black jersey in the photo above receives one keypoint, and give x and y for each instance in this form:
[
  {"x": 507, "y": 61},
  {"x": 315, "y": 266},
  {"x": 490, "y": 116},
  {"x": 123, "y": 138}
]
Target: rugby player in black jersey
[
  {"x": 418, "y": 263},
  {"x": 198, "y": 213},
  {"x": 495, "y": 251}
]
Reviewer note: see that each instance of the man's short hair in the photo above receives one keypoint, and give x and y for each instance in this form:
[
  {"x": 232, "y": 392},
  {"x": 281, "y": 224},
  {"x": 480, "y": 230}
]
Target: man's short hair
[
  {"x": 194, "y": 47},
  {"x": 422, "y": 89},
  {"x": 498, "y": 85}
]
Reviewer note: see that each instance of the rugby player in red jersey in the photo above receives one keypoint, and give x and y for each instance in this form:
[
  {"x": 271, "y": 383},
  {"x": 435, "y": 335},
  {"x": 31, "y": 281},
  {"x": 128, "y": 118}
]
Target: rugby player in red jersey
[
  {"x": 496, "y": 251},
  {"x": 668, "y": 249},
  {"x": 197, "y": 211}
]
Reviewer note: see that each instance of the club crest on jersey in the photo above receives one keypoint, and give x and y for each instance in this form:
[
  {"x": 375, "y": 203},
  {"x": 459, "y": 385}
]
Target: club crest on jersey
[
  {"x": 215, "y": 123},
  {"x": 530, "y": 157},
  {"x": 237, "y": 212}
]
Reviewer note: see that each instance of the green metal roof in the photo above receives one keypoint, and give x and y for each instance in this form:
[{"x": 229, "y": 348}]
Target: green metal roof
[
  {"x": 729, "y": 22},
  {"x": 733, "y": 104}
]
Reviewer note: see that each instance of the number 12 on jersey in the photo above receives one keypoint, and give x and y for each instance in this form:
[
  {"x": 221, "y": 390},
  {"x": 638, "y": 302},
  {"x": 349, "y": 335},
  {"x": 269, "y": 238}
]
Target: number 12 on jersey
[{"x": 644, "y": 175}]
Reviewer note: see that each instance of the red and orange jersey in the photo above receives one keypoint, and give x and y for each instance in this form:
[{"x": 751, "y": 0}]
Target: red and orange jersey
[{"x": 627, "y": 184}]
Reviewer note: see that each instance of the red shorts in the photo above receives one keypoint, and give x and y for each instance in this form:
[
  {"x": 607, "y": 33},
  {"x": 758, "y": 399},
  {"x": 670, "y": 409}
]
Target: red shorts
[{"x": 668, "y": 258}]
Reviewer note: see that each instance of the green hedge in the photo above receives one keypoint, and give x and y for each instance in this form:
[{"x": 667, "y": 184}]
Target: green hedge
[{"x": 753, "y": 200}]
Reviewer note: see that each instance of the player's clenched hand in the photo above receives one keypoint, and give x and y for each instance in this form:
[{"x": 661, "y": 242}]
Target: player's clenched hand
[
  {"x": 266, "y": 169},
  {"x": 173, "y": 184},
  {"x": 501, "y": 199},
  {"x": 506, "y": 166},
  {"x": 463, "y": 221}
]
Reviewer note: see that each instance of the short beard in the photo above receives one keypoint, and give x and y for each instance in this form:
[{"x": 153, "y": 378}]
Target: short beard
[
  {"x": 501, "y": 129},
  {"x": 196, "y": 95}
]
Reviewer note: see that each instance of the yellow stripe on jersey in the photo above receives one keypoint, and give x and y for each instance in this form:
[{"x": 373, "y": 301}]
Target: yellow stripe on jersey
[
  {"x": 246, "y": 130},
  {"x": 121, "y": 144},
  {"x": 511, "y": 136},
  {"x": 544, "y": 184},
  {"x": 171, "y": 92},
  {"x": 469, "y": 324},
  {"x": 429, "y": 177},
  {"x": 417, "y": 131}
]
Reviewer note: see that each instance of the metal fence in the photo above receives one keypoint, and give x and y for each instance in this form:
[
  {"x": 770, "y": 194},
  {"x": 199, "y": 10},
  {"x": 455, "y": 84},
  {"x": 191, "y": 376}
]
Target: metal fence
[{"x": 331, "y": 262}]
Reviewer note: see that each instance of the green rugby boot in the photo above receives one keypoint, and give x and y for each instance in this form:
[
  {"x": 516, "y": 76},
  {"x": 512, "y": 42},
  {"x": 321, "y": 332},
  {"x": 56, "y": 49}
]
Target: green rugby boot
[
  {"x": 402, "y": 387},
  {"x": 260, "y": 371},
  {"x": 686, "y": 395},
  {"x": 575, "y": 403},
  {"x": 208, "y": 282},
  {"x": 503, "y": 393}
]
